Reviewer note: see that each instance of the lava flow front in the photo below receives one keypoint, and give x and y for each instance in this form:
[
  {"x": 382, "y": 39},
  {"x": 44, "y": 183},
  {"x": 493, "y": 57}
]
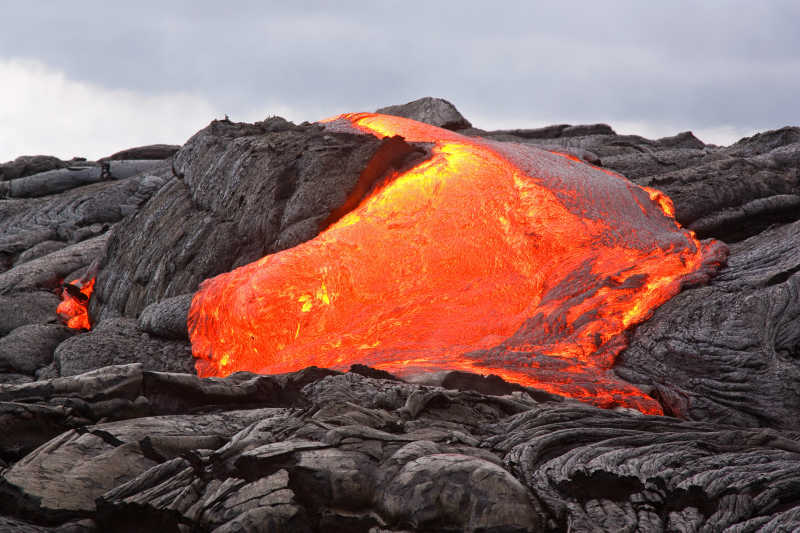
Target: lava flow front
[
  {"x": 487, "y": 257},
  {"x": 73, "y": 308}
]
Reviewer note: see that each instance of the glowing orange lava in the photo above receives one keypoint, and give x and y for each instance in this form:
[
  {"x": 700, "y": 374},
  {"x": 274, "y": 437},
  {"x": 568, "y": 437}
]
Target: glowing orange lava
[
  {"x": 485, "y": 257},
  {"x": 73, "y": 308}
]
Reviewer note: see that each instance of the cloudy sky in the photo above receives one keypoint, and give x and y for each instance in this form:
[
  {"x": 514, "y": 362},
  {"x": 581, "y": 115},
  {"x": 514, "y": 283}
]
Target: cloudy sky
[{"x": 84, "y": 78}]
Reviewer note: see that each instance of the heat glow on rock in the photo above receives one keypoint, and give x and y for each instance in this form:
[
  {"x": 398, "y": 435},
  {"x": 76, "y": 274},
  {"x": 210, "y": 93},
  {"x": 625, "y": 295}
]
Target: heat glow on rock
[
  {"x": 486, "y": 257},
  {"x": 73, "y": 308}
]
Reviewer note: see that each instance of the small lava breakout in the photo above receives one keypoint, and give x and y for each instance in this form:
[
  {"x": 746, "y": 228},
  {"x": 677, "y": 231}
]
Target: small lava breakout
[{"x": 481, "y": 256}]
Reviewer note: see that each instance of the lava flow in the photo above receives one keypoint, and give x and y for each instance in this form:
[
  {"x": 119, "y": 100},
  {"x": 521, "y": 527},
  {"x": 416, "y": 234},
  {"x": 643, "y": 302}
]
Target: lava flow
[
  {"x": 73, "y": 308},
  {"x": 487, "y": 257}
]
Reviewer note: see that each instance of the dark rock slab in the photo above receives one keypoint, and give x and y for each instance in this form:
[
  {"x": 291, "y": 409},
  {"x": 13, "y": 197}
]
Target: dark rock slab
[
  {"x": 150, "y": 151},
  {"x": 66, "y": 217},
  {"x": 597, "y": 470},
  {"x": 30, "y": 347},
  {"x": 26, "y": 426},
  {"x": 26, "y": 165},
  {"x": 56, "y": 181},
  {"x": 167, "y": 318},
  {"x": 50, "y": 270},
  {"x": 435, "y": 111},
  {"x": 339, "y": 466},
  {"x": 29, "y": 307},
  {"x": 730, "y": 351},
  {"x": 20, "y": 526},
  {"x": 39, "y": 250},
  {"x": 62, "y": 478},
  {"x": 8, "y": 378},
  {"x": 245, "y": 190},
  {"x": 119, "y": 341}
]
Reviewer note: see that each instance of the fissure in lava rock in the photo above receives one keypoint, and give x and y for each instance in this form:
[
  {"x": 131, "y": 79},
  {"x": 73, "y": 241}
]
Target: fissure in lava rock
[{"x": 487, "y": 257}]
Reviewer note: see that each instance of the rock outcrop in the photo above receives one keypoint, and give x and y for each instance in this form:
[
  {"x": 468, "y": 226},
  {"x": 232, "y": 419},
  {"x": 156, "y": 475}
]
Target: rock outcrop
[{"x": 110, "y": 430}]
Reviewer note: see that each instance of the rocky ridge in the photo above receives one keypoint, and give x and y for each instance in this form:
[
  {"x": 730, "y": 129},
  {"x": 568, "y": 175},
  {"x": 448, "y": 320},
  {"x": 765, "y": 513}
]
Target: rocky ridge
[{"x": 110, "y": 430}]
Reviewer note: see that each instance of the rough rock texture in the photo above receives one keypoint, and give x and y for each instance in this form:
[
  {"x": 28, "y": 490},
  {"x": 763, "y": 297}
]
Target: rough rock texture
[
  {"x": 167, "y": 318},
  {"x": 148, "y": 446},
  {"x": 151, "y": 151},
  {"x": 730, "y": 351},
  {"x": 26, "y": 165},
  {"x": 23, "y": 308},
  {"x": 31, "y": 347},
  {"x": 245, "y": 190},
  {"x": 119, "y": 341},
  {"x": 366, "y": 453},
  {"x": 74, "y": 215},
  {"x": 435, "y": 111}
]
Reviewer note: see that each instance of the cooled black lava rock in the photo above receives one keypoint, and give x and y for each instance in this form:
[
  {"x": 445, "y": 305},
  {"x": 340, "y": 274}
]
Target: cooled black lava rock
[{"x": 149, "y": 445}]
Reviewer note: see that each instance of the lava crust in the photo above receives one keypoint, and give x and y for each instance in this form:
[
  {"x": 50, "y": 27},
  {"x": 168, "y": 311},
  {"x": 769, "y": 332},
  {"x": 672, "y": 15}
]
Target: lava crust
[{"x": 487, "y": 257}]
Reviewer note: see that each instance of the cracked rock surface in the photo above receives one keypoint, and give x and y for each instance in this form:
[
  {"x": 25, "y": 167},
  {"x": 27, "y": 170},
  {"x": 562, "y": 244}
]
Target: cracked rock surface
[{"x": 110, "y": 430}]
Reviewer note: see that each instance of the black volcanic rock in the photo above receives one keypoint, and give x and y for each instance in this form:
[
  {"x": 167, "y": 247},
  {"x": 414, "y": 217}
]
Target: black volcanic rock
[
  {"x": 119, "y": 341},
  {"x": 27, "y": 307},
  {"x": 31, "y": 347},
  {"x": 151, "y": 151},
  {"x": 244, "y": 190},
  {"x": 167, "y": 318},
  {"x": 29, "y": 164},
  {"x": 728, "y": 352},
  {"x": 150, "y": 446},
  {"x": 371, "y": 453},
  {"x": 434, "y": 111}
]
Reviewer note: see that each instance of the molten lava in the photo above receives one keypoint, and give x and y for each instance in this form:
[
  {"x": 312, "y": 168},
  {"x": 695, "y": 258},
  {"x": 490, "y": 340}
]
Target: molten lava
[
  {"x": 73, "y": 308},
  {"x": 485, "y": 257}
]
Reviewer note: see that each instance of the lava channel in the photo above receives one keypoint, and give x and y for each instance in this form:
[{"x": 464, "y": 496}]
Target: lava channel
[{"x": 486, "y": 257}]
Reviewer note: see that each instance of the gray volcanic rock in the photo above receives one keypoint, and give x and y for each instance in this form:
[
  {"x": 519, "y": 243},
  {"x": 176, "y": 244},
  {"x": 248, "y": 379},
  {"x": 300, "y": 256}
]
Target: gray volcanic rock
[
  {"x": 459, "y": 461},
  {"x": 435, "y": 111},
  {"x": 245, "y": 190},
  {"x": 150, "y": 446},
  {"x": 118, "y": 341},
  {"x": 26, "y": 165},
  {"x": 23, "y": 308},
  {"x": 50, "y": 270},
  {"x": 605, "y": 471},
  {"x": 73, "y": 215},
  {"x": 167, "y": 318},
  {"x": 38, "y": 250},
  {"x": 65, "y": 476},
  {"x": 56, "y": 181},
  {"x": 150, "y": 151},
  {"x": 30, "y": 347},
  {"x": 729, "y": 351}
]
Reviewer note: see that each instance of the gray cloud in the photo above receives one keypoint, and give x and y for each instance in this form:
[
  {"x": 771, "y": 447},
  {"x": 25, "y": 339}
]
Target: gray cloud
[{"x": 686, "y": 65}]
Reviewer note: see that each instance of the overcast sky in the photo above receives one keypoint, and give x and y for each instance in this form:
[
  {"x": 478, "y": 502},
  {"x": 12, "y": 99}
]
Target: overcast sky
[{"x": 84, "y": 78}]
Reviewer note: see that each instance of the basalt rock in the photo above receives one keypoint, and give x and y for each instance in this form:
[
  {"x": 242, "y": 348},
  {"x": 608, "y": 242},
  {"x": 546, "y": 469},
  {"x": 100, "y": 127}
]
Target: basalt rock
[
  {"x": 167, "y": 318},
  {"x": 151, "y": 151},
  {"x": 434, "y": 111},
  {"x": 730, "y": 351},
  {"x": 29, "y": 164},
  {"x": 368, "y": 453},
  {"x": 118, "y": 341},
  {"x": 28, "y": 307},
  {"x": 31, "y": 347},
  {"x": 145, "y": 444},
  {"x": 243, "y": 191}
]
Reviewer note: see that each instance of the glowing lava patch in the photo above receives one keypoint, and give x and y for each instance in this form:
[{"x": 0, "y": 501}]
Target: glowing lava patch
[
  {"x": 485, "y": 257},
  {"x": 73, "y": 308}
]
